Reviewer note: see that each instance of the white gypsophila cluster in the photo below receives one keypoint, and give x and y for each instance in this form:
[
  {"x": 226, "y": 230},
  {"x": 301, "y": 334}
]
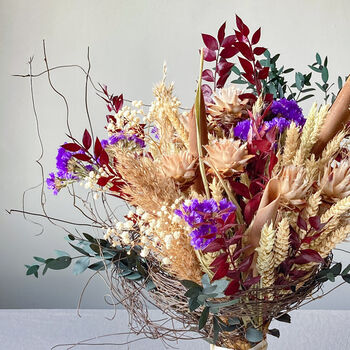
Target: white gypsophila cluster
[
  {"x": 126, "y": 118},
  {"x": 90, "y": 181}
]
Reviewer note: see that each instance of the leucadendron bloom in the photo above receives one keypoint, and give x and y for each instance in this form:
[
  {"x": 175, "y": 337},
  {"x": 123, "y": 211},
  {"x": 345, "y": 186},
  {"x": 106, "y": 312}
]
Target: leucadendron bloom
[
  {"x": 335, "y": 182},
  {"x": 228, "y": 108},
  {"x": 293, "y": 186},
  {"x": 227, "y": 156},
  {"x": 181, "y": 167}
]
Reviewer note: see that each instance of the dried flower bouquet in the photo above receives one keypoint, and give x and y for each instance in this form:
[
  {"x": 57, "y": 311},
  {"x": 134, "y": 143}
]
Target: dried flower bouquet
[{"x": 236, "y": 204}]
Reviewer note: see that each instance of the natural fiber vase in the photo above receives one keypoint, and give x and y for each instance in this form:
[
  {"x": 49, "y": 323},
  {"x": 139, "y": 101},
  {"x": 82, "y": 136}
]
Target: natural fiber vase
[{"x": 261, "y": 346}]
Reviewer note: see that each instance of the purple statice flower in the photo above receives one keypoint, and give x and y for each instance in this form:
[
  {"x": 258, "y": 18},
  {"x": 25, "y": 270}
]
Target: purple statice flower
[
  {"x": 62, "y": 162},
  {"x": 104, "y": 143},
  {"x": 155, "y": 132},
  {"x": 114, "y": 139},
  {"x": 89, "y": 167},
  {"x": 242, "y": 128},
  {"x": 137, "y": 140},
  {"x": 289, "y": 110},
  {"x": 283, "y": 112},
  {"x": 52, "y": 184},
  {"x": 203, "y": 218},
  {"x": 281, "y": 124},
  {"x": 62, "y": 159}
]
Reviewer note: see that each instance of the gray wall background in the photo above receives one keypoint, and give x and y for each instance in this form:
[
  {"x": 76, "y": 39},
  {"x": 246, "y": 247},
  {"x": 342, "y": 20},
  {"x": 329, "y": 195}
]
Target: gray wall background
[{"x": 129, "y": 40}]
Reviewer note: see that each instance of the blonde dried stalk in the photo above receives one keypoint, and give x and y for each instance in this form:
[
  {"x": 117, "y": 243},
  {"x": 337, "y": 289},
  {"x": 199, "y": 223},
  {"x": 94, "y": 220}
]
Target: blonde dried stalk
[
  {"x": 336, "y": 210},
  {"x": 265, "y": 260},
  {"x": 331, "y": 149},
  {"x": 332, "y": 240},
  {"x": 174, "y": 118},
  {"x": 147, "y": 186},
  {"x": 216, "y": 189},
  {"x": 329, "y": 228},
  {"x": 281, "y": 245},
  {"x": 313, "y": 204},
  {"x": 310, "y": 133},
  {"x": 164, "y": 113},
  {"x": 291, "y": 144}
]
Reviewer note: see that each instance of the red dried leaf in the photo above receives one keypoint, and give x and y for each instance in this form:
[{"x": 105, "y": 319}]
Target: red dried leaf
[
  {"x": 71, "y": 147},
  {"x": 224, "y": 67},
  {"x": 208, "y": 75},
  {"x": 251, "y": 281},
  {"x": 255, "y": 187},
  {"x": 221, "y": 33},
  {"x": 240, "y": 189},
  {"x": 87, "y": 140},
  {"x": 246, "y": 263},
  {"x": 229, "y": 52},
  {"x": 82, "y": 156},
  {"x": 102, "y": 181},
  {"x": 116, "y": 187},
  {"x": 256, "y": 36},
  {"x": 235, "y": 239},
  {"x": 315, "y": 222},
  {"x": 229, "y": 41},
  {"x": 103, "y": 159},
  {"x": 222, "y": 80},
  {"x": 210, "y": 235},
  {"x": 239, "y": 36},
  {"x": 264, "y": 73},
  {"x": 251, "y": 208},
  {"x": 219, "y": 260},
  {"x": 294, "y": 239},
  {"x": 259, "y": 51},
  {"x": 249, "y": 77},
  {"x": 111, "y": 118},
  {"x": 308, "y": 255},
  {"x": 273, "y": 162},
  {"x": 221, "y": 272},
  {"x": 209, "y": 55},
  {"x": 238, "y": 252},
  {"x": 296, "y": 274},
  {"x": 215, "y": 246},
  {"x": 118, "y": 102},
  {"x": 210, "y": 42},
  {"x": 98, "y": 148},
  {"x": 268, "y": 98},
  {"x": 241, "y": 26},
  {"x": 245, "y": 50},
  {"x": 309, "y": 239},
  {"x": 248, "y": 96},
  {"x": 301, "y": 223},
  {"x": 262, "y": 145},
  {"x": 206, "y": 90},
  {"x": 232, "y": 288},
  {"x": 246, "y": 65}
]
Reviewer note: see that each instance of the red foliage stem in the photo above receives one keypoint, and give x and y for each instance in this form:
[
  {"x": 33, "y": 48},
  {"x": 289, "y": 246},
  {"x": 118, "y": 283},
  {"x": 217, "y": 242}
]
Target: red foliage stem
[
  {"x": 216, "y": 65},
  {"x": 256, "y": 79}
]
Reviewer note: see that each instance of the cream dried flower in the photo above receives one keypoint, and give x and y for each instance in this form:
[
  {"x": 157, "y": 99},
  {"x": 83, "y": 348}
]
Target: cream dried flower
[
  {"x": 228, "y": 107},
  {"x": 181, "y": 167},
  {"x": 227, "y": 156},
  {"x": 293, "y": 186},
  {"x": 335, "y": 182}
]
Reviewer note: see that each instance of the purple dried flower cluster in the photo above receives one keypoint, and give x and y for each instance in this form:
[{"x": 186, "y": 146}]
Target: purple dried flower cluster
[
  {"x": 155, "y": 132},
  {"x": 56, "y": 182},
  {"x": 203, "y": 218},
  {"x": 289, "y": 110},
  {"x": 112, "y": 140},
  {"x": 285, "y": 112},
  {"x": 52, "y": 183}
]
